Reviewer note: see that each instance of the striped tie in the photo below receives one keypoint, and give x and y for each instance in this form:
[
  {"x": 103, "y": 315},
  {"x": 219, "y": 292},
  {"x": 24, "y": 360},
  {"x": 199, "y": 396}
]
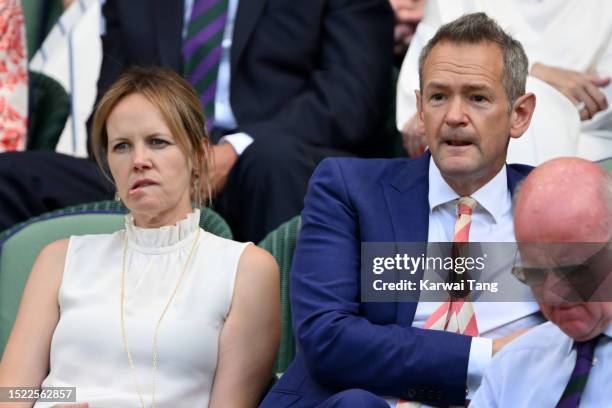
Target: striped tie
[
  {"x": 202, "y": 51},
  {"x": 577, "y": 382},
  {"x": 457, "y": 315},
  {"x": 454, "y": 315}
]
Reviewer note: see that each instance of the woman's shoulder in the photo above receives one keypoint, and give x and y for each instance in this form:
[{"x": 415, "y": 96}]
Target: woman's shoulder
[
  {"x": 212, "y": 242},
  {"x": 56, "y": 250},
  {"x": 251, "y": 256},
  {"x": 256, "y": 258}
]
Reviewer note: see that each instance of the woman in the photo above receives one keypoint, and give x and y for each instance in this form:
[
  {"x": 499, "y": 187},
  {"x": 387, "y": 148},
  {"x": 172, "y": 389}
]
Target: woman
[{"x": 161, "y": 313}]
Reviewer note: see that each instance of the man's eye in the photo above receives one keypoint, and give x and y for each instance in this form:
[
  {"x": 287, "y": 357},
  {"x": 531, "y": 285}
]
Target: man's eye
[
  {"x": 437, "y": 97},
  {"x": 478, "y": 98}
]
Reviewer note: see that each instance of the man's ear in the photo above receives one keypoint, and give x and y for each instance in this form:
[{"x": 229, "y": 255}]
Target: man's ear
[
  {"x": 521, "y": 114},
  {"x": 419, "y": 101}
]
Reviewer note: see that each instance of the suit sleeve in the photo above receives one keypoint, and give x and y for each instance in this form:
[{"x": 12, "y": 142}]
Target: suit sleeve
[
  {"x": 341, "y": 347},
  {"x": 114, "y": 58},
  {"x": 345, "y": 98}
]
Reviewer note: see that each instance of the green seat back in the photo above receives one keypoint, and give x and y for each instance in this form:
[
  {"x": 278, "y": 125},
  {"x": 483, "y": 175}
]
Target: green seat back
[
  {"x": 40, "y": 16},
  {"x": 48, "y": 113},
  {"x": 606, "y": 163},
  {"x": 281, "y": 244},
  {"x": 20, "y": 245}
]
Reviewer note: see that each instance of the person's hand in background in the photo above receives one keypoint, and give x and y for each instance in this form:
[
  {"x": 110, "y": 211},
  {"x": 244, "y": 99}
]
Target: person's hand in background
[
  {"x": 413, "y": 138},
  {"x": 582, "y": 89},
  {"x": 408, "y": 13}
]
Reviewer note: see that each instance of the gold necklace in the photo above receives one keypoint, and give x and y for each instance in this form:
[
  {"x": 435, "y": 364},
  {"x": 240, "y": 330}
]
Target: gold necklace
[{"x": 156, "y": 333}]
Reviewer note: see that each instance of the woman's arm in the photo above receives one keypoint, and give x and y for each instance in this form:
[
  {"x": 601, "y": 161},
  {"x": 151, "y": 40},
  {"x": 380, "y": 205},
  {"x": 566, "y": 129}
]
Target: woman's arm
[
  {"x": 25, "y": 362},
  {"x": 250, "y": 336}
]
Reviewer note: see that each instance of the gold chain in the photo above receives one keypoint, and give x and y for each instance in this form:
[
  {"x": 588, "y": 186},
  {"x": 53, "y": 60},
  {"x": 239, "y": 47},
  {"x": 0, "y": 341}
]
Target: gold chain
[{"x": 156, "y": 333}]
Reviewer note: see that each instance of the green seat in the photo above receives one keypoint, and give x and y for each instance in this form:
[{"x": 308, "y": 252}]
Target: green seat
[
  {"x": 20, "y": 245},
  {"x": 606, "y": 163},
  {"x": 281, "y": 244},
  {"x": 40, "y": 16},
  {"x": 49, "y": 110}
]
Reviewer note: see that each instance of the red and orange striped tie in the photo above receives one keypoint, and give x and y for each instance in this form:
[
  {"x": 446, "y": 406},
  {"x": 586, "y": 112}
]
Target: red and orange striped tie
[{"x": 454, "y": 315}]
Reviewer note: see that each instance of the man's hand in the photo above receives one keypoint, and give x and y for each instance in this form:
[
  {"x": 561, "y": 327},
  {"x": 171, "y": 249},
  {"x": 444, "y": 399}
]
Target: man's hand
[
  {"x": 580, "y": 88},
  {"x": 413, "y": 138},
  {"x": 223, "y": 159},
  {"x": 498, "y": 344}
]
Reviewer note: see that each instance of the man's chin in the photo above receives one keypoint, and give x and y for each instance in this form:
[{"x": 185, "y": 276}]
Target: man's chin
[
  {"x": 574, "y": 321},
  {"x": 457, "y": 166}
]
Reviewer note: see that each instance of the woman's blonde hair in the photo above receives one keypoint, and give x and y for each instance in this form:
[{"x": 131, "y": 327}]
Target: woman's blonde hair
[{"x": 179, "y": 106}]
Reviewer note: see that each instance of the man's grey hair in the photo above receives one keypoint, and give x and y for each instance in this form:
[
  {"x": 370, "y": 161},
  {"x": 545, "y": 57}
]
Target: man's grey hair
[{"x": 476, "y": 28}]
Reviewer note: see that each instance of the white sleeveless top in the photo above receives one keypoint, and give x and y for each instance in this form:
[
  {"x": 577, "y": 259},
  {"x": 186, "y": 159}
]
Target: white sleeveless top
[{"x": 87, "y": 350}]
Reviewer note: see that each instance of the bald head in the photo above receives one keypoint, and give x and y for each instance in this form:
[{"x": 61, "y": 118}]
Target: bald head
[
  {"x": 565, "y": 200},
  {"x": 568, "y": 200}
]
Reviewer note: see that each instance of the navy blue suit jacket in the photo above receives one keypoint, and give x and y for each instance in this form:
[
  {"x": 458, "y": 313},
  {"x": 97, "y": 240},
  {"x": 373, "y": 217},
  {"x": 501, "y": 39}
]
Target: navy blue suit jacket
[{"x": 345, "y": 343}]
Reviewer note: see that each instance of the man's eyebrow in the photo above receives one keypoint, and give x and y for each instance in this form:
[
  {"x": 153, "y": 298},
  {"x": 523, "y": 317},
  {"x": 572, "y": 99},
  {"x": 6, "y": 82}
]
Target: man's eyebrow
[
  {"x": 476, "y": 87},
  {"x": 467, "y": 87},
  {"x": 436, "y": 85}
]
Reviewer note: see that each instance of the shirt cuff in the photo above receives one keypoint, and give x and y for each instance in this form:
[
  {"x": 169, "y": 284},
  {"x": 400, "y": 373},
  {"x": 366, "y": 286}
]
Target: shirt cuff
[
  {"x": 481, "y": 351},
  {"x": 239, "y": 141}
]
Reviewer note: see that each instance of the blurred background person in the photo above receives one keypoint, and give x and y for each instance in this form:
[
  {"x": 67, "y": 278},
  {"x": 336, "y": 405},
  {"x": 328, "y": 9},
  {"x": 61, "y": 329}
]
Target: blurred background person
[
  {"x": 284, "y": 85},
  {"x": 13, "y": 77}
]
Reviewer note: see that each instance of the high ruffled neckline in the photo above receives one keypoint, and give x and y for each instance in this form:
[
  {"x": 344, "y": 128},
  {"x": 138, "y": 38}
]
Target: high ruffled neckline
[{"x": 164, "y": 236}]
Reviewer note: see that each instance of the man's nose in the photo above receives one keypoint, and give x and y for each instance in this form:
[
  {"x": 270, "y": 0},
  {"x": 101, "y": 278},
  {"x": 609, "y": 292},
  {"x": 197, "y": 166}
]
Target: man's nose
[
  {"x": 456, "y": 115},
  {"x": 556, "y": 290}
]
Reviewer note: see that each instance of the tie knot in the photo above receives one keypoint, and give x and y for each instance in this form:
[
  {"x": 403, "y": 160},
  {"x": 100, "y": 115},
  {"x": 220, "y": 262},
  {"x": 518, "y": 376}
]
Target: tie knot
[
  {"x": 585, "y": 349},
  {"x": 466, "y": 205}
]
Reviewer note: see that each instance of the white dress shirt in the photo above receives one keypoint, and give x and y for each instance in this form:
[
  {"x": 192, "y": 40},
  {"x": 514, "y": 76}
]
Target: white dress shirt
[
  {"x": 491, "y": 222},
  {"x": 534, "y": 370}
]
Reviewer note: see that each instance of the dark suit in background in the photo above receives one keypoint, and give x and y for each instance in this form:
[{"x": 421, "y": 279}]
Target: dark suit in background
[{"x": 309, "y": 79}]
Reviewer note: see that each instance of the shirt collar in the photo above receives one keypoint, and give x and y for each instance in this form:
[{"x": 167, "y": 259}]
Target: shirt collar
[
  {"x": 488, "y": 196},
  {"x": 607, "y": 335},
  {"x": 608, "y": 331}
]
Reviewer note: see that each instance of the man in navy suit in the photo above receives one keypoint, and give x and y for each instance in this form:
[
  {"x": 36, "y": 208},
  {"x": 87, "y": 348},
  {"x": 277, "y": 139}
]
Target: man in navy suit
[{"x": 471, "y": 102}]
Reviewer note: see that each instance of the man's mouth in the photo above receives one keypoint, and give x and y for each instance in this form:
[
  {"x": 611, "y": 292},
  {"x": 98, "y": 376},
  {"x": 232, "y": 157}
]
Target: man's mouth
[{"x": 458, "y": 143}]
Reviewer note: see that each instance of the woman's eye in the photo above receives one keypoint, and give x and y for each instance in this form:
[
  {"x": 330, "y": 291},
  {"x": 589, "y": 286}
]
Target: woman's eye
[
  {"x": 120, "y": 146},
  {"x": 158, "y": 142}
]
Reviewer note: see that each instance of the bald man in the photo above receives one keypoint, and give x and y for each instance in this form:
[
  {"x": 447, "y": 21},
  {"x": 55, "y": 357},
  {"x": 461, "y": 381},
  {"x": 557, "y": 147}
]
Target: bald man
[{"x": 563, "y": 223}]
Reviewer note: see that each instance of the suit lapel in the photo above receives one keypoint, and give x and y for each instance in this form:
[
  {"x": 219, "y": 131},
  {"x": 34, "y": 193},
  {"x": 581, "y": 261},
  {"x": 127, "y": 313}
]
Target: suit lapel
[
  {"x": 406, "y": 195},
  {"x": 515, "y": 174},
  {"x": 169, "y": 16},
  {"x": 246, "y": 17}
]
